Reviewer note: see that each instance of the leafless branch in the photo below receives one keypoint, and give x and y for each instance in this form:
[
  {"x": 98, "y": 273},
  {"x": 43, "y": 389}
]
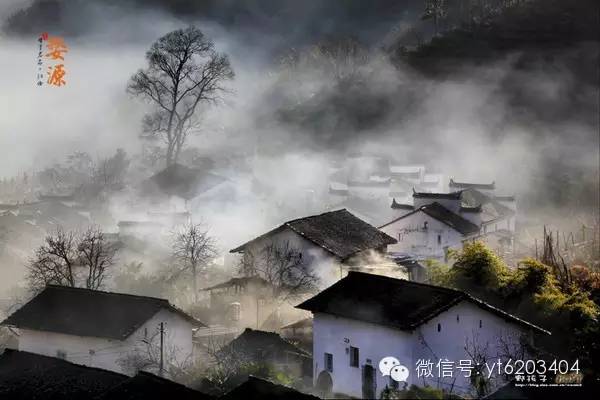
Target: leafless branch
[
  {"x": 69, "y": 259},
  {"x": 193, "y": 249},
  {"x": 184, "y": 71}
]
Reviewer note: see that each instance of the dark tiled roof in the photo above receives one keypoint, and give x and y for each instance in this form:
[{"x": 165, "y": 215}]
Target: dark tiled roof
[
  {"x": 148, "y": 386},
  {"x": 490, "y": 207},
  {"x": 398, "y": 206},
  {"x": 181, "y": 181},
  {"x": 466, "y": 185},
  {"x": 303, "y": 323},
  {"x": 425, "y": 195},
  {"x": 255, "y": 345},
  {"x": 393, "y": 302},
  {"x": 31, "y": 376},
  {"x": 241, "y": 282},
  {"x": 339, "y": 232},
  {"x": 442, "y": 214},
  {"x": 85, "y": 312},
  {"x": 256, "y": 388},
  {"x": 476, "y": 209}
]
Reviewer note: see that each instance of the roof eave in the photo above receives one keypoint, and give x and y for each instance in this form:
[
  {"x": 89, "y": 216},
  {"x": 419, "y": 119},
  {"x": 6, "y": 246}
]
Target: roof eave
[{"x": 241, "y": 248}]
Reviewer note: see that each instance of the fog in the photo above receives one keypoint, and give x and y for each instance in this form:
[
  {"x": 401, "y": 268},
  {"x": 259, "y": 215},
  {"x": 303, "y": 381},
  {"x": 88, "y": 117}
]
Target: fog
[{"x": 471, "y": 124}]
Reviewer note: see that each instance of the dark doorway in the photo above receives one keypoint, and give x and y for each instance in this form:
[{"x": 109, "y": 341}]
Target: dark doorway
[
  {"x": 369, "y": 383},
  {"x": 324, "y": 384}
]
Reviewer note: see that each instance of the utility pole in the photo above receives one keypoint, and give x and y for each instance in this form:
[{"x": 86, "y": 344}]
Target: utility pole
[{"x": 162, "y": 334}]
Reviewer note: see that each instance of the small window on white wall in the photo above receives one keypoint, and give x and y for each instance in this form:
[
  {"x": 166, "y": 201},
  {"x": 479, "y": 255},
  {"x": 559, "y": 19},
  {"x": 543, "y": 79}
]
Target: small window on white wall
[
  {"x": 439, "y": 327},
  {"x": 480, "y": 323},
  {"x": 439, "y": 239},
  {"x": 457, "y": 318},
  {"x": 235, "y": 310},
  {"x": 354, "y": 356},
  {"x": 328, "y": 362}
]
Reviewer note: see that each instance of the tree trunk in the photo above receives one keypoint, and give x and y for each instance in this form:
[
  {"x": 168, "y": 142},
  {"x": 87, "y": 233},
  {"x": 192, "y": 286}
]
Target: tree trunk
[
  {"x": 169, "y": 158},
  {"x": 195, "y": 284}
]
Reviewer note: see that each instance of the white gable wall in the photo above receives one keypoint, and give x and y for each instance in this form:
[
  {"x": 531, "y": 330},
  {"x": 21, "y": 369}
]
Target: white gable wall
[
  {"x": 506, "y": 222},
  {"x": 77, "y": 348},
  {"x": 177, "y": 338},
  {"x": 449, "y": 343},
  {"x": 325, "y": 264},
  {"x": 104, "y": 353},
  {"x": 414, "y": 239},
  {"x": 335, "y": 335}
]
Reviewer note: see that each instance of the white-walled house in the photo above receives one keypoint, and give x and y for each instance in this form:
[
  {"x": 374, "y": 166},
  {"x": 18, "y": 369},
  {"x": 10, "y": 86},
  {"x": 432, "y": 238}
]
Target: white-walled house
[
  {"x": 364, "y": 318},
  {"x": 325, "y": 242},
  {"x": 102, "y": 329},
  {"x": 497, "y": 212},
  {"x": 410, "y": 173},
  {"x": 437, "y": 222},
  {"x": 429, "y": 231}
]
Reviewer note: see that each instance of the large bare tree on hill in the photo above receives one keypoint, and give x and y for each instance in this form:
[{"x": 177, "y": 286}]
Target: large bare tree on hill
[{"x": 184, "y": 72}]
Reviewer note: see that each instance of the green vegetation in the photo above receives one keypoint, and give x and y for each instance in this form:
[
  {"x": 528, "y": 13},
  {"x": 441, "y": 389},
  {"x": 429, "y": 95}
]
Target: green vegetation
[
  {"x": 532, "y": 292},
  {"x": 220, "y": 378}
]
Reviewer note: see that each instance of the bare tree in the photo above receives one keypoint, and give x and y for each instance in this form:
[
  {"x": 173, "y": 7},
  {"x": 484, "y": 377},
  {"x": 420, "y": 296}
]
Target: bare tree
[
  {"x": 226, "y": 363},
  {"x": 479, "y": 355},
  {"x": 96, "y": 255},
  {"x": 111, "y": 171},
  {"x": 283, "y": 266},
  {"x": 69, "y": 259},
  {"x": 193, "y": 248},
  {"x": 552, "y": 257},
  {"x": 337, "y": 59},
  {"x": 147, "y": 357},
  {"x": 184, "y": 71},
  {"x": 513, "y": 346}
]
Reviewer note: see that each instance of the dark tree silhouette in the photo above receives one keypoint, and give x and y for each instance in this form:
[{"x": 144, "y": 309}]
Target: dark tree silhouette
[
  {"x": 184, "y": 71},
  {"x": 71, "y": 259}
]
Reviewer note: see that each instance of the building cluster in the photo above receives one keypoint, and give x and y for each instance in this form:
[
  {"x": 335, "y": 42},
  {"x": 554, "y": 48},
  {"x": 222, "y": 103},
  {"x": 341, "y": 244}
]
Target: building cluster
[
  {"x": 324, "y": 298},
  {"x": 426, "y": 213}
]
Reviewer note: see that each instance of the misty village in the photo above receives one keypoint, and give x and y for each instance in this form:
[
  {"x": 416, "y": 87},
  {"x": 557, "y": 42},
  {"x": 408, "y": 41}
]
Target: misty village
[{"x": 299, "y": 199}]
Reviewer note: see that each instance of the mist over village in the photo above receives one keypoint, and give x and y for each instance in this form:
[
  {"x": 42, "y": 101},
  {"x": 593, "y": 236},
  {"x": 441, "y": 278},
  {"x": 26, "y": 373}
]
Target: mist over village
[{"x": 299, "y": 199}]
